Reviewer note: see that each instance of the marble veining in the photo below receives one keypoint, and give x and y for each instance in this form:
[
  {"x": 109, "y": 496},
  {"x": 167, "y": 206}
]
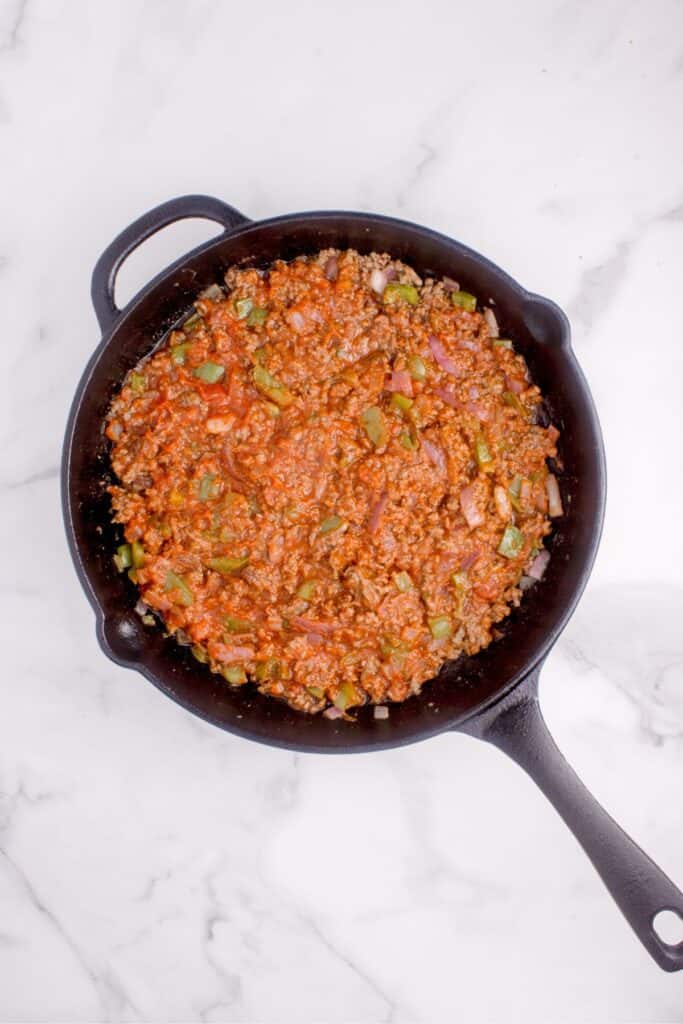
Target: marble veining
[{"x": 154, "y": 869}]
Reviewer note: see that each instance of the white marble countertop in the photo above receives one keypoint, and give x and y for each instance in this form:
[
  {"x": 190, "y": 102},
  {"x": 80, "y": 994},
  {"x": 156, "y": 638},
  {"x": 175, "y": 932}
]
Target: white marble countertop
[{"x": 155, "y": 869}]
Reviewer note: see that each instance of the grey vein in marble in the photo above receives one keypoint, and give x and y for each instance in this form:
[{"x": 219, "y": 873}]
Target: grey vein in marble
[
  {"x": 355, "y": 968},
  {"x": 13, "y": 35},
  {"x": 110, "y": 994},
  {"x": 646, "y": 663},
  {"x": 418, "y": 174},
  {"x": 599, "y": 283},
  {"x": 49, "y": 473}
]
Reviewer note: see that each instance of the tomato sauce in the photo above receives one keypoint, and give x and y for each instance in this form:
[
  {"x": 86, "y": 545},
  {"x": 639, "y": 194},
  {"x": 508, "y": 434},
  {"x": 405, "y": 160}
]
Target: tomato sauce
[{"x": 332, "y": 479}]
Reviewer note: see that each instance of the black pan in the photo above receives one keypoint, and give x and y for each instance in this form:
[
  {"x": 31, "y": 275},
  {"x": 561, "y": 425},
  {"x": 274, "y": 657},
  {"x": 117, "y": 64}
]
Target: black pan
[{"x": 492, "y": 695}]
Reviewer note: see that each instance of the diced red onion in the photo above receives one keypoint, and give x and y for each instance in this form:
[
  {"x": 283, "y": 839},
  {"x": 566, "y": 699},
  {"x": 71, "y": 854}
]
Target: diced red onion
[
  {"x": 448, "y": 561},
  {"x": 297, "y": 320},
  {"x": 444, "y": 361},
  {"x": 539, "y": 565},
  {"x": 469, "y": 507},
  {"x": 381, "y": 712},
  {"x": 390, "y": 273},
  {"x": 400, "y": 380},
  {"x": 515, "y": 384},
  {"x": 332, "y": 269},
  {"x": 311, "y": 626},
  {"x": 320, "y": 487},
  {"x": 378, "y": 281},
  {"x": 333, "y": 713},
  {"x": 554, "y": 499},
  {"x": 229, "y": 460},
  {"x": 434, "y": 454},
  {"x": 469, "y": 559},
  {"x": 490, "y": 318},
  {"x": 468, "y": 343},
  {"x": 226, "y": 654},
  {"x": 141, "y": 608},
  {"x": 478, "y": 410},
  {"x": 314, "y": 639},
  {"x": 452, "y": 285},
  {"x": 503, "y": 506},
  {"x": 527, "y": 582},
  {"x": 377, "y": 511},
  {"x": 448, "y": 396},
  {"x": 388, "y": 540},
  {"x": 552, "y": 432}
]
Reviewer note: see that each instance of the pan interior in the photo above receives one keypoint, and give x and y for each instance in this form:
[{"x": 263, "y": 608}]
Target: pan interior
[{"x": 539, "y": 331}]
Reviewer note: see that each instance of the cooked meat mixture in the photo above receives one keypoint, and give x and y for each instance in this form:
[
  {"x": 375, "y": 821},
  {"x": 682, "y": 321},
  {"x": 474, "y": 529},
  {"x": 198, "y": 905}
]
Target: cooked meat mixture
[{"x": 332, "y": 479}]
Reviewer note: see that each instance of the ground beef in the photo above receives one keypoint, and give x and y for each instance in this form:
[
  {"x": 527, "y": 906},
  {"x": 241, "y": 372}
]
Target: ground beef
[{"x": 331, "y": 479}]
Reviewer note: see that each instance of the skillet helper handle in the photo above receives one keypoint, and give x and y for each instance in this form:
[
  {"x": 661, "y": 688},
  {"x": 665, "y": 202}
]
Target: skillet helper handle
[
  {"x": 640, "y": 889},
  {"x": 107, "y": 266}
]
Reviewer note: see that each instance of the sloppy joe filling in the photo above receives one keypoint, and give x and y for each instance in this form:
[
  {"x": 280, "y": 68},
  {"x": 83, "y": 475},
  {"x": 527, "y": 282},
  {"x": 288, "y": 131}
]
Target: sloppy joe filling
[{"x": 332, "y": 479}]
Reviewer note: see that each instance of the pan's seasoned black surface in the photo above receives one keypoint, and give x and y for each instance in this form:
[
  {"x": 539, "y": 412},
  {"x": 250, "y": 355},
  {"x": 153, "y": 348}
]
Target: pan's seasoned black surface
[{"x": 493, "y": 694}]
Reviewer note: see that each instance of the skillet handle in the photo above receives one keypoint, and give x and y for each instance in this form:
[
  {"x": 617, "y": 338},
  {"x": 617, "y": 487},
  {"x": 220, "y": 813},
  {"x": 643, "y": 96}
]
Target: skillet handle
[
  {"x": 107, "y": 266},
  {"x": 641, "y": 890}
]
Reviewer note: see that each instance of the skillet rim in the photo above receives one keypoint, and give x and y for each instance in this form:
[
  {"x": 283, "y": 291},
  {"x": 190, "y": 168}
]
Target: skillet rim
[{"x": 452, "y": 721}]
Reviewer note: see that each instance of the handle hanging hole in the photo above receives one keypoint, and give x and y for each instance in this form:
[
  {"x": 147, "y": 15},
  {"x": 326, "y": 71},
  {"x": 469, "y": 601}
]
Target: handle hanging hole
[
  {"x": 668, "y": 926},
  {"x": 162, "y": 249}
]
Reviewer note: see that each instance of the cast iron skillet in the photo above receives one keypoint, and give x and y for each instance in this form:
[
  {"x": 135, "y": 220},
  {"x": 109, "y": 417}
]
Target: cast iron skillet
[{"x": 492, "y": 695}]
